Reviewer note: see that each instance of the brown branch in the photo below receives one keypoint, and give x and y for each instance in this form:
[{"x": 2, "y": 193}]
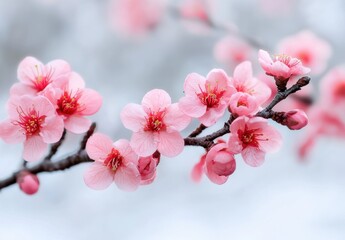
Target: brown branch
[
  {"x": 197, "y": 131},
  {"x": 48, "y": 166}
]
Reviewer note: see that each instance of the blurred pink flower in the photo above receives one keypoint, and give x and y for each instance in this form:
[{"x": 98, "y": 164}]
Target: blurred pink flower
[
  {"x": 28, "y": 182},
  {"x": 206, "y": 98},
  {"x": 133, "y": 17},
  {"x": 32, "y": 120},
  {"x": 73, "y": 102},
  {"x": 34, "y": 77},
  {"x": 156, "y": 124},
  {"x": 332, "y": 87},
  {"x": 219, "y": 163},
  {"x": 243, "y": 104},
  {"x": 253, "y": 137},
  {"x": 196, "y": 9},
  {"x": 243, "y": 81},
  {"x": 147, "y": 168},
  {"x": 232, "y": 50},
  {"x": 276, "y": 8},
  {"x": 281, "y": 67},
  {"x": 198, "y": 169},
  {"x": 296, "y": 119},
  {"x": 114, "y": 162},
  {"x": 311, "y": 50}
]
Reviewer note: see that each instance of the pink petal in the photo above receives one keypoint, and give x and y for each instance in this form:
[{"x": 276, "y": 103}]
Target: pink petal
[
  {"x": 192, "y": 106},
  {"x": 77, "y": 124},
  {"x": 98, "y": 176},
  {"x": 234, "y": 143},
  {"x": 243, "y": 72},
  {"x": 175, "y": 119},
  {"x": 20, "y": 89},
  {"x": 217, "y": 77},
  {"x": 156, "y": 100},
  {"x": 75, "y": 82},
  {"x": 91, "y": 102},
  {"x": 265, "y": 56},
  {"x": 133, "y": 117},
  {"x": 212, "y": 115},
  {"x": 127, "y": 178},
  {"x": 198, "y": 169},
  {"x": 170, "y": 144},
  {"x": 98, "y": 147},
  {"x": 11, "y": 133},
  {"x": 60, "y": 69},
  {"x": 27, "y": 70},
  {"x": 123, "y": 146},
  {"x": 52, "y": 130},
  {"x": 34, "y": 148},
  {"x": 144, "y": 143},
  {"x": 274, "y": 139},
  {"x": 253, "y": 156},
  {"x": 194, "y": 84},
  {"x": 41, "y": 104}
]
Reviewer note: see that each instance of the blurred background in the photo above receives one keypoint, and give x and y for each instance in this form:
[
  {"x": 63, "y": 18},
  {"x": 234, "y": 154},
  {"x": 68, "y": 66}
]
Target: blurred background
[{"x": 285, "y": 198}]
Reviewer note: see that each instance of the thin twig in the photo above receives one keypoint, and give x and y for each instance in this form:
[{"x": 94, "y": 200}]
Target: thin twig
[
  {"x": 55, "y": 147},
  {"x": 197, "y": 131}
]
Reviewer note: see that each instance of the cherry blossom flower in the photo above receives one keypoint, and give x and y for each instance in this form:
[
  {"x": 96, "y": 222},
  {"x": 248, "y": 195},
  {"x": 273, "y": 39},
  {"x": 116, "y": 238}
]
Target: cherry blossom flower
[
  {"x": 34, "y": 77},
  {"x": 114, "y": 162},
  {"x": 243, "y": 81},
  {"x": 311, "y": 50},
  {"x": 73, "y": 102},
  {"x": 253, "y": 137},
  {"x": 32, "y": 120},
  {"x": 196, "y": 9},
  {"x": 296, "y": 119},
  {"x": 243, "y": 104},
  {"x": 156, "y": 124},
  {"x": 332, "y": 87},
  {"x": 281, "y": 67},
  {"x": 147, "y": 168},
  {"x": 28, "y": 182},
  {"x": 219, "y": 163},
  {"x": 133, "y": 17},
  {"x": 232, "y": 50},
  {"x": 206, "y": 98}
]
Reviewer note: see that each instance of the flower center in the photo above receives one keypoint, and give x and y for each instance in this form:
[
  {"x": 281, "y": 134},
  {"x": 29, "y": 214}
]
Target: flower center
[
  {"x": 68, "y": 103},
  {"x": 249, "y": 137},
  {"x": 304, "y": 57},
  {"x": 42, "y": 80},
  {"x": 31, "y": 122},
  {"x": 211, "y": 96},
  {"x": 154, "y": 121},
  {"x": 287, "y": 60},
  {"x": 114, "y": 160}
]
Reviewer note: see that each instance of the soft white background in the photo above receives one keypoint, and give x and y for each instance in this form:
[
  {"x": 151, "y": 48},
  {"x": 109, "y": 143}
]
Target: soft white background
[{"x": 283, "y": 199}]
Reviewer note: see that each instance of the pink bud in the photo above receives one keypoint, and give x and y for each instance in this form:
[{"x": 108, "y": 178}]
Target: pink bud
[
  {"x": 147, "y": 168},
  {"x": 28, "y": 182},
  {"x": 296, "y": 119}
]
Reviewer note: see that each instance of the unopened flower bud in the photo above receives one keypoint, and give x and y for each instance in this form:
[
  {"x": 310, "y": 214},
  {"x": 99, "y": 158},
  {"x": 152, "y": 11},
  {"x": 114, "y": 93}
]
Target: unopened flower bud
[
  {"x": 296, "y": 119},
  {"x": 28, "y": 182},
  {"x": 147, "y": 168}
]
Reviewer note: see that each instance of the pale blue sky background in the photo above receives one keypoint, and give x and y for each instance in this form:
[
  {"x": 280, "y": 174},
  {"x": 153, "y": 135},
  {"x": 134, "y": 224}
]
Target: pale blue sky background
[{"x": 283, "y": 199}]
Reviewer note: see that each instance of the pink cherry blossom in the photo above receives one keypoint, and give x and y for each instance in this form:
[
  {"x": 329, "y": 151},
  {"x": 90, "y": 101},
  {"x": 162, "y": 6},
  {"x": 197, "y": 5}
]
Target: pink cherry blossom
[
  {"x": 296, "y": 119},
  {"x": 156, "y": 124},
  {"x": 253, "y": 137},
  {"x": 196, "y": 9},
  {"x": 32, "y": 120},
  {"x": 311, "y": 50},
  {"x": 332, "y": 87},
  {"x": 114, "y": 162},
  {"x": 232, "y": 50},
  {"x": 147, "y": 168},
  {"x": 73, "y": 102},
  {"x": 206, "y": 98},
  {"x": 34, "y": 76},
  {"x": 243, "y": 104},
  {"x": 133, "y": 17},
  {"x": 243, "y": 81},
  {"x": 281, "y": 67},
  {"x": 28, "y": 182},
  {"x": 219, "y": 163}
]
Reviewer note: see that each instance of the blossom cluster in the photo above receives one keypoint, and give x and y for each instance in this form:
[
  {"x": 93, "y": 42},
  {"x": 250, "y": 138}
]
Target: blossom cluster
[
  {"x": 46, "y": 100},
  {"x": 50, "y": 98}
]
